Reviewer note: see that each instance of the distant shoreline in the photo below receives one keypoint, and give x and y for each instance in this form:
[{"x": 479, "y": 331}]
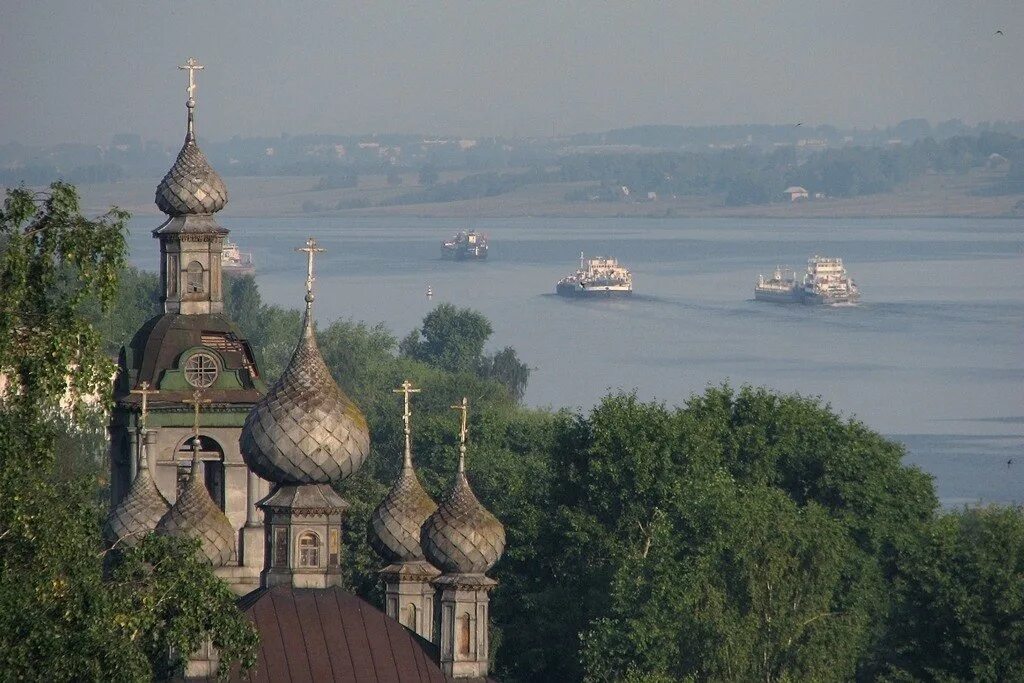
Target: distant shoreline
[{"x": 932, "y": 196}]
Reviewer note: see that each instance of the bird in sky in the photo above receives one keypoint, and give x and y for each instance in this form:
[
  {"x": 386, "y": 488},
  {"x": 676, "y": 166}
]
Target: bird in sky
[
  {"x": 798, "y": 124},
  {"x": 999, "y": 32}
]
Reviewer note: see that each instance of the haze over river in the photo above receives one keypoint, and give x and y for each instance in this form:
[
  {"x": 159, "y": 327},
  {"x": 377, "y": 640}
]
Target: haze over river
[{"x": 933, "y": 356}]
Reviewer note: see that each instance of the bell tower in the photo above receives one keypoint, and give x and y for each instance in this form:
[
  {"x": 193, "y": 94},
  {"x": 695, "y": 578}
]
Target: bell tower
[
  {"x": 192, "y": 346},
  {"x": 191, "y": 240}
]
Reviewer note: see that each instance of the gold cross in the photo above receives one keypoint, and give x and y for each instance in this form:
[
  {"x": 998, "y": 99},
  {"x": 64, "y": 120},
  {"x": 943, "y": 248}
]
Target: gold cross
[
  {"x": 407, "y": 389},
  {"x": 197, "y": 400},
  {"x": 145, "y": 391},
  {"x": 310, "y": 249},
  {"x": 192, "y": 65},
  {"x": 463, "y": 431}
]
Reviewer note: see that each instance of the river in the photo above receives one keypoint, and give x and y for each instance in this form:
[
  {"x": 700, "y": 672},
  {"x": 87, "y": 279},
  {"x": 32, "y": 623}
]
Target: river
[{"x": 933, "y": 356}]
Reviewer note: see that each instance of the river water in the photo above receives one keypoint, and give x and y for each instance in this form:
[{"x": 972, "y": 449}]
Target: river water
[{"x": 933, "y": 356}]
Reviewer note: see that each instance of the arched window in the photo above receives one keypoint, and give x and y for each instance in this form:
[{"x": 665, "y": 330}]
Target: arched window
[
  {"x": 410, "y": 617},
  {"x": 309, "y": 550},
  {"x": 194, "y": 278},
  {"x": 465, "y": 629}
]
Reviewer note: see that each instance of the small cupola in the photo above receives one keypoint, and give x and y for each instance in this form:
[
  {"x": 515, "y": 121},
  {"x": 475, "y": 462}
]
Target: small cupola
[{"x": 394, "y": 532}]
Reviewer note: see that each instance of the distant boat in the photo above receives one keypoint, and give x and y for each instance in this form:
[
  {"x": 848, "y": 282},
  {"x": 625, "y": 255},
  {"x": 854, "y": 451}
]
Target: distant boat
[
  {"x": 598, "y": 276},
  {"x": 430, "y": 292},
  {"x": 465, "y": 246},
  {"x": 236, "y": 262},
  {"x": 825, "y": 282},
  {"x": 782, "y": 287}
]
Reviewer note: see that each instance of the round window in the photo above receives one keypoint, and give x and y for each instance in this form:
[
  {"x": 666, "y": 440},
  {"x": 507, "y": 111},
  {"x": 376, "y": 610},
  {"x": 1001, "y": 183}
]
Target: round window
[{"x": 201, "y": 369}]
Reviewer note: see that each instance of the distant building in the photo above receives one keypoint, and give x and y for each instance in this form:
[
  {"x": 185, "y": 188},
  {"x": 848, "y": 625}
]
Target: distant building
[{"x": 795, "y": 193}]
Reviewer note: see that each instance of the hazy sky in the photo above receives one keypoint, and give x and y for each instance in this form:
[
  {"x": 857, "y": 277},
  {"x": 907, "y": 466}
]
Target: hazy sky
[{"x": 79, "y": 71}]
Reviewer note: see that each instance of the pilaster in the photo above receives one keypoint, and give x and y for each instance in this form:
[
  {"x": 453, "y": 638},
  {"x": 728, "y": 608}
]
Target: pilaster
[
  {"x": 409, "y": 596},
  {"x": 463, "y": 621}
]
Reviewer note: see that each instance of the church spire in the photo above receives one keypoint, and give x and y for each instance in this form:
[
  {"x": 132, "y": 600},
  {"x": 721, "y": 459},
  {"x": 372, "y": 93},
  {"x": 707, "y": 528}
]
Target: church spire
[
  {"x": 191, "y": 65},
  {"x": 394, "y": 532},
  {"x": 191, "y": 240},
  {"x": 303, "y": 436}
]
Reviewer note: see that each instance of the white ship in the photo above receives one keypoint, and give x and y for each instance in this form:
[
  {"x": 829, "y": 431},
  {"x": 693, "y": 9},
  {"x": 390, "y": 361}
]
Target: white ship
[
  {"x": 781, "y": 287},
  {"x": 826, "y": 282},
  {"x": 235, "y": 262},
  {"x": 599, "y": 276}
]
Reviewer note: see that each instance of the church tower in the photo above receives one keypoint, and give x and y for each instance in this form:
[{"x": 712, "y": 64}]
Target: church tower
[
  {"x": 464, "y": 540},
  {"x": 191, "y": 346},
  {"x": 395, "y": 534},
  {"x": 304, "y": 435}
]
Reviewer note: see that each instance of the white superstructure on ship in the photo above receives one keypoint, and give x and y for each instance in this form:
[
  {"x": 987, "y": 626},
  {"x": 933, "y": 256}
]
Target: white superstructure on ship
[
  {"x": 598, "y": 276},
  {"x": 825, "y": 282}
]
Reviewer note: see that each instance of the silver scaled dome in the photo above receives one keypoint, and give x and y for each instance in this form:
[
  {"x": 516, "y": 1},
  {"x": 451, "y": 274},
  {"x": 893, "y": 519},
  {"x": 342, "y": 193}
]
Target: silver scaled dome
[
  {"x": 395, "y": 525},
  {"x": 195, "y": 515},
  {"x": 305, "y": 430},
  {"x": 191, "y": 186},
  {"x": 462, "y": 536},
  {"x": 139, "y": 511}
]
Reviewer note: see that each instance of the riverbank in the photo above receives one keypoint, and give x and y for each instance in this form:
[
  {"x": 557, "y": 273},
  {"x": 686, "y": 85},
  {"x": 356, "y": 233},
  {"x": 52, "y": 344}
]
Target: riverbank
[{"x": 930, "y": 196}]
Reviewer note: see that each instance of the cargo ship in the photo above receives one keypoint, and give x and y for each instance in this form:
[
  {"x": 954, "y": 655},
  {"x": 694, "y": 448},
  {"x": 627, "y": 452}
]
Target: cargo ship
[
  {"x": 465, "y": 246},
  {"x": 235, "y": 262},
  {"x": 599, "y": 276},
  {"x": 782, "y": 287},
  {"x": 825, "y": 282}
]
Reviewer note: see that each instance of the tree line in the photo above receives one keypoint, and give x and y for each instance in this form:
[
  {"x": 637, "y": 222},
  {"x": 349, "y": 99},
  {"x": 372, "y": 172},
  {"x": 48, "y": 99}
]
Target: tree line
[{"x": 743, "y": 535}]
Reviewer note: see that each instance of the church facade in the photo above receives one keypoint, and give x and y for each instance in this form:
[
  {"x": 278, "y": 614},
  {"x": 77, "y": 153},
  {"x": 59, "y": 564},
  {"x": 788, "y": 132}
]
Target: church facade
[
  {"x": 192, "y": 345},
  {"x": 202, "y": 448}
]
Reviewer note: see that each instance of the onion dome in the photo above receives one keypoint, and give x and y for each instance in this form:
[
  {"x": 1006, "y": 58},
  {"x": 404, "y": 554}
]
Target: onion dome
[
  {"x": 305, "y": 430},
  {"x": 195, "y": 515},
  {"x": 191, "y": 186},
  {"x": 395, "y": 524},
  {"x": 394, "y": 530},
  {"x": 462, "y": 536},
  {"x": 140, "y": 510}
]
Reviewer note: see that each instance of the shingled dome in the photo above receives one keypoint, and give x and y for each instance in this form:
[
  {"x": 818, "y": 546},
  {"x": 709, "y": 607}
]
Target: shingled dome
[
  {"x": 191, "y": 186},
  {"x": 139, "y": 511},
  {"x": 305, "y": 430},
  {"x": 395, "y": 525},
  {"x": 462, "y": 536},
  {"x": 195, "y": 515}
]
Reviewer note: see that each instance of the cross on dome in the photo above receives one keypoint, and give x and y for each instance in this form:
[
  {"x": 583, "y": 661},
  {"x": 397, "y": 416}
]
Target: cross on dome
[
  {"x": 310, "y": 249},
  {"x": 408, "y": 390},
  {"x": 145, "y": 391},
  {"x": 192, "y": 65},
  {"x": 196, "y": 401},
  {"x": 463, "y": 431}
]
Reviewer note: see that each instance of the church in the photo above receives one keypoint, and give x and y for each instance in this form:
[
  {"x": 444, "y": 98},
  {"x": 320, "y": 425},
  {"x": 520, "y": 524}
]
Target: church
[{"x": 202, "y": 448}]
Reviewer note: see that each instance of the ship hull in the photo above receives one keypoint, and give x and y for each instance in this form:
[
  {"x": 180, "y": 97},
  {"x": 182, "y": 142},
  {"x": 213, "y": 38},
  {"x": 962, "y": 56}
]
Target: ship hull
[
  {"x": 779, "y": 297},
  {"x": 597, "y": 291},
  {"x": 828, "y": 300},
  {"x": 246, "y": 269},
  {"x": 464, "y": 254}
]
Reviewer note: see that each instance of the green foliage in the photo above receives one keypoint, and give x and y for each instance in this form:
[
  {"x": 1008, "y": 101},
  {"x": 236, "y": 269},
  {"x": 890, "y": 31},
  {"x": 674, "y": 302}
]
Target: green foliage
[
  {"x": 451, "y": 338},
  {"x": 747, "y": 535},
  {"x": 59, "y": 620},
  {"x": 960, "y": 615},
  {"x": 168, "y": 600}
]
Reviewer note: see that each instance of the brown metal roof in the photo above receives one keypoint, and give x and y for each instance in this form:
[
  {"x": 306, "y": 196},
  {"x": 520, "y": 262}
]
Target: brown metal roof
[{"x": 314, "y": 634}]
